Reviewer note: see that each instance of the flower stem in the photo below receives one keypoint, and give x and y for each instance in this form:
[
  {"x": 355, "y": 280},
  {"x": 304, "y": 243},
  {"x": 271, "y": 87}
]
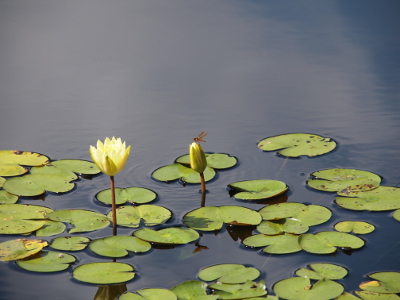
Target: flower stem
[
  {"x": 113, "y": 207},
  {"x": 203, "y": 182}
]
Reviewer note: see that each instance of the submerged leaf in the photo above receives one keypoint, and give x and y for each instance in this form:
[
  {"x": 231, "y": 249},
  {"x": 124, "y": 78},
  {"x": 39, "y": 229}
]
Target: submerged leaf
[{"x": 258, "y": 189}]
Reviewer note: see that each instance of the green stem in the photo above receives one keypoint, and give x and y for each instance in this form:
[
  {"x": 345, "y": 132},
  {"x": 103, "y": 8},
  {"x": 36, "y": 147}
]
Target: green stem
[
  {"x": 203, "y": 182},
  {"x": 113, "y": 207}
]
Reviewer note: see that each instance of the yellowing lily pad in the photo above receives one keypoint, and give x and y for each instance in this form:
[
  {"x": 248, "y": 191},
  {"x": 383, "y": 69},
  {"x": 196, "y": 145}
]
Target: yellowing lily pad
[
  {"x": 131, "y": 194},
  {"x": 70, "y": 243},
  {"x": 192, "y": 289},
  {"x": 12, "y": 161},
  {"x": 385, "y": 282},
  {"x": 229, "y": 273},
  {"x": 258, "y": 189},
  {"x": 47, "y": 262},
  {"x": 149, "y": 294},
  {"x": 171, "y": 236},
  {"x": 104, "y": 273},
  {"x": 215, "y": 160},
  {"x": 178, "y": 171},
  {"x": 297, "y": 144},
  {"x": 118, "y": 246},
  {"x": 20, "y": 248},
  {"x": 357, "y": 227},
  {"x": 320, "y": 271}
]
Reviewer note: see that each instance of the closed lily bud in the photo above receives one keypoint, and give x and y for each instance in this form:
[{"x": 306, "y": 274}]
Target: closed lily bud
[
  {"x": 111, "y": 156},
  {"x": 198, "y": 160}
]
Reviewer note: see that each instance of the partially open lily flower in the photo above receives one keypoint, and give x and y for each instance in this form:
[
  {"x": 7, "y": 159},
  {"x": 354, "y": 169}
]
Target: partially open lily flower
[
  {"x": 197, "y": 156},
  {"x": 111, "y": 156}
]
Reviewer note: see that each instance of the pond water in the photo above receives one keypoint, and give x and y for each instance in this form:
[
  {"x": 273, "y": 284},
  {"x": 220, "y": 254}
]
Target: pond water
[{"x": 157, "y": 73}]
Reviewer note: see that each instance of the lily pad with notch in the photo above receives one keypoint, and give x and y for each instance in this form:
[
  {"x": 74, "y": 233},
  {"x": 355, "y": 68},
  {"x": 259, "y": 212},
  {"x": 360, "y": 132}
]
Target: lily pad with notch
[
  {"x": 50, "y": 228},
  {"x": 104, "y": 272},
  {"x": 192, "y": 290},
  {"x": 118, "y": 246},
  {"x": 385, "y": 282},
  {"x": 70, "y": 243},
  {"x": 149, "y": 294},
  {"x": 20, "y": 248},
  {"x": 297, "y": 144},
  {"x": 214, "y": 160},
  {"x": 135, "y": 195},
  {"x": 169, "y": 236},
  {"x": 178, "y": 171},
  {"x": 229, "y": 273},
  {"x": 46, "y": 262},
  {"x": 258, "y": 189},
  {"x": 12, "y": 161},
  {"x": 249, "y": 289},
  {"x": 322, "y": 271},
  {"x": 358, "y": 227},
  {"x": 274, "y": 244}
]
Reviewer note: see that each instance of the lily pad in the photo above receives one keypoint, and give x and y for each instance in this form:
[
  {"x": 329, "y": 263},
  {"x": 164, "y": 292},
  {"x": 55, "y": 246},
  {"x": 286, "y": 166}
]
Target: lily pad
[
  {"x": 7, "y": 198},
  {"x": 104, "y": 273},
  {"x": 396, "y": 215},
  {"x": 192, "y": 290},
  {"x": 367, "y": 295},
  {"x": 258, "y": 189},
  {"x": 211, "y": 218},
  {"x": 229, "y": 273},
  {"x": 37, "y": 184},
  {"x": 344, "y": 180},
  {"x": 84, "y": 220},
  {"x": 77, "y": 166},
  {"x": 379, "y": 199},
  {"x": 131, "y": 194},
  {"x": 70, "y": 243},
  {"x": 2, "y": 180},
  {"x": 178, "y": 171},
  {"x": 300, "y": 288},
  {"x": 22, "y": 218},
  {"x": 322, "y": 271},
  {"x": 297, "y": 144},
  {"x": 287, "y": 225},
  {"x": 239, "y": 291},
  {"x": 357, "y": 227},
  {"x": 49, "y": 261},
  {"x": 385, "y": 282},
  {"x": 325, "y": 242},
  {"x": 276, "y": 244},
  {"x": 170, "y": 236},
  {"x": 20, "y": 248},
  {"x": 215, "y": 160},
  {"x": 118, "y": 246},
  {"x": 12, "y": 161},
  {"x": 130, "y": 216},
  {"x": 50, "y": 228},
  {"x": 149, "y": 294}
]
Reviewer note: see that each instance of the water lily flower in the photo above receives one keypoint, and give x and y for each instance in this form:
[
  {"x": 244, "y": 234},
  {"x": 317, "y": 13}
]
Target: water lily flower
[
  {"x": 197, "y": 156},
  {"x": 111, "y": 156}
]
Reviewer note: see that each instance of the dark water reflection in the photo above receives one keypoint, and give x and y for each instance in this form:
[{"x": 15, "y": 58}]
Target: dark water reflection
[{"x": 157, "y": 73}]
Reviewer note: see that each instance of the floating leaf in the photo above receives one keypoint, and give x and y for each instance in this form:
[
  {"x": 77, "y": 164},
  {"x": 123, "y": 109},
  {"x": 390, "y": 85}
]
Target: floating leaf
[
  {"x": 149, "y": 294},
  {"x": 131, "y": 194},
  {"x": 288, "y": 225},
  {"x": 84, "y": 220},
  {"x": 379, "y": 199},
  {"x": 7, "y": 198},
  {"x": 215, "y": 161},
  {"x": 173, "y": 235},
  {"x": 276, "y": 244},
  {"x": 192, "y": 290},
  {"x": 47, "y": 262},
  {"x": 229, "y": 273},
  {"x": 325, "y": 242},
  {"x": 211, "y": 218},
  {"x": 396, "y": 215},
  {"x": 104, "y": 273},
  {"x": 347, "y": 296},
  {"x": 300, "y": 288},
  {"x": 239, "y": 291},
  {"x": 70, "y": 243},
  {"x": 118, "y": 246},
  {"x": 344, "y": 180},
  {"x": 2, "y": 180},
  {"x": 11, "y": 161},
  {"x": 296, "y": 144},
  {"x": 37, "y": 184},
  {"x": 322, "y": 271},
  {"x": 20, "y": 248},
  {"x": 386, "y": 282},
  {"x": 77, "y": 166},
  {"x": 355, "y": 226},
  {"x": 258, "y": 189},
  {"x": 51, "y": 228},
  {"x": 178, "y": 171},
  {"x": 130, "y": 216},
  {"x": 22, "y": 218},
  {"x": 367, "y": 295}
]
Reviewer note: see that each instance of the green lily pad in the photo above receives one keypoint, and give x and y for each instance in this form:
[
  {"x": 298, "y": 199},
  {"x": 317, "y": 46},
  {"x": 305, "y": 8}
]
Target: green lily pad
[
  {"x": 130, "y": 216},
  {"x": 325, "y": 242},
  {"x": 276, "y": 244},
  {"x": 322, "y": 271},
  {"x": 131, "y": 194},
  {"x": 20, "y": 248},
  {"x": 192, "y": 290},
  {"x": 215, "y": 160},
  {"x": 7, "y": 198},
  {"x": 77, "y": 166},
  {"x": 171, "y": 236},
  {"x": 118, "y": 246},
  {"x": 287, "y": 225},
  {"x": 47, "y": 262},
  {"x": 300, "y": 288},
  {"x": 396, "y": 215},
  {"x": 11, "y": 161},
  {"x": 37, "y": 184},
  {"x": 83, "y": 220},
  {"x": 296, "y": 144},
  {"x": 149, "y": 294},
  {"x": 211, "y": 218},
  {"x": 355, "y": 226},
  {"x": 347, "y": 296},
  {"x": 178, "y": 171},
  {"x": 22, "y": 218},
  {"x": 70, "y": 243},
  {"x": 344, "y": 180},
  {"x": 104, "y": 273},
  {"x": 379, "y": 199},
  {"x": 239, "y": 291},
  {"x": 229, "y": 273},
  {"x": 258, "y": 189},
  {"x": 51, "y": 228},
  {"x": 2, "y": 180},
  {"x": 385, "y": 283},
  {"x": 367, "y": 295}
]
